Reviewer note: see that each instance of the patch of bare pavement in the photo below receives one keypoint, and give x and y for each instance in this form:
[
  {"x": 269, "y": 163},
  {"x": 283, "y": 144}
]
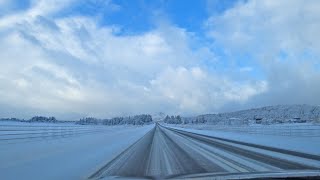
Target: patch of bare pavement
[{"x": 167, "y": 153}]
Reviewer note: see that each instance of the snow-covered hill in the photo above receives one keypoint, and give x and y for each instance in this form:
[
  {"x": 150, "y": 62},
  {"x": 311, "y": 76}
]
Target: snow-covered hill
[{"x": 265, "y": 115}]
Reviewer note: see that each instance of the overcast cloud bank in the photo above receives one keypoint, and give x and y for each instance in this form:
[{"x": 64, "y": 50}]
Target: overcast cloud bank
[{"x": 255, "y": 53}]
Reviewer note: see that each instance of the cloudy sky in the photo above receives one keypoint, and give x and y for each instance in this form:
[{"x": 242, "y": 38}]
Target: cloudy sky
[{"x": 104, "y": 58}]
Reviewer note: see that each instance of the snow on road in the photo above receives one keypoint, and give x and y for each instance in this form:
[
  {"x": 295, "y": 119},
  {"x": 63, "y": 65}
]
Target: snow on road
[
  {"x": 62, "y": 151},
  {"x": 173, "y": 153},
  {"x": 41, "y": 151}
]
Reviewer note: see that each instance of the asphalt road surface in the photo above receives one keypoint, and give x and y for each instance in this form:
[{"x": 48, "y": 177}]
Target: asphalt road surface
[{"x": 170, "y": 153}]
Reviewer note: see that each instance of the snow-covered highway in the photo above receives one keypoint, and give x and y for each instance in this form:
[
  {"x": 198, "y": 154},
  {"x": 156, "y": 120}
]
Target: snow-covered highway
[
  {"x": 170, "y": 153},
  {"x": 41, "y": 151}
]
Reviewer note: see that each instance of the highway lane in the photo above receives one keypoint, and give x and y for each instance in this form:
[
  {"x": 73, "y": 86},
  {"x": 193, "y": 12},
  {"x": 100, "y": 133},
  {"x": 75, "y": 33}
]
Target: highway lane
[{"x": 170, "y": 153}]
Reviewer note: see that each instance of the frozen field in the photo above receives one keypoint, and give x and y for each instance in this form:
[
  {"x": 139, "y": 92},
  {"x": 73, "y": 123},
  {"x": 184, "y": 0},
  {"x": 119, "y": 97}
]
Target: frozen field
[{"x": 60, "y": 151}]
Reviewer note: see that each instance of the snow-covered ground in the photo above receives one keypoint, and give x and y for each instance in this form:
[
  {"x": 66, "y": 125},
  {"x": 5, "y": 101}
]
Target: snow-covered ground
[
  {"x": 26, "y": 123},
  {"x": 68, "y": 151},
  {"x": 292, "y": 127},
  {"x": 61, "y": 151},
  {"x": 273, "y": 137},
  {"x": 295, "y": 130},
  {"x": 266, "y": 115}
]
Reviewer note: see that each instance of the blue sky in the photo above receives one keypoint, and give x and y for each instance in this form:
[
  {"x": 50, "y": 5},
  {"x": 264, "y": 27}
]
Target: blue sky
[
  {"x": 141, "y": 16},
  {"x": 107, "y": 58}
]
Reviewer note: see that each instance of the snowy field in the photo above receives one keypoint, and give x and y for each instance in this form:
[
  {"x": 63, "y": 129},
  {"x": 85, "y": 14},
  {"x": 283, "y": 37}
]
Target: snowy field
[
  {"x": 300, "y": 130},
  {"x": 296, "y": 137},
  {"x": 60, "y": 151}
]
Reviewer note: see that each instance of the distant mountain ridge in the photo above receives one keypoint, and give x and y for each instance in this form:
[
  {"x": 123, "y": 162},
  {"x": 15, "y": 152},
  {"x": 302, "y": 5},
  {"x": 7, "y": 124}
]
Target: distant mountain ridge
[{"x": 264, "y": 115}]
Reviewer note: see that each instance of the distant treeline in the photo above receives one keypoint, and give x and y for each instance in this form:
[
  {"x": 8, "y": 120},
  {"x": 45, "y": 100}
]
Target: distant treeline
[
  {"x": 172, "y": 120},
  {"x": 43, "y": 119},
  {"x": 132, "y": 120},
  {"x": 33, "y": 119},
  {"x": 185, "y": 120}
]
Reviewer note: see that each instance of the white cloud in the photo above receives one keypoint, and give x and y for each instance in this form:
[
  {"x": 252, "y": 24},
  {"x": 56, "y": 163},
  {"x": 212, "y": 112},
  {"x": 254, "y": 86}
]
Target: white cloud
[
  {"x": 264, "y": 26},
  {"x": 71, "y": 65},
  {"x": 4, "y": 3},
  {"x": 282, "y": 37},
  {"x": 193, "y": 90},
  {"x": 45, "y": 7},
  {"x": 246, "y": 69}
]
